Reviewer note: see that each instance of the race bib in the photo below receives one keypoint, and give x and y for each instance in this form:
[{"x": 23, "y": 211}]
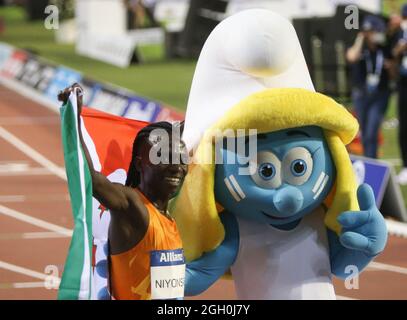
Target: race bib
[
  {"x": 167, "y": 274},
  {"x": 372, "y": 81}
]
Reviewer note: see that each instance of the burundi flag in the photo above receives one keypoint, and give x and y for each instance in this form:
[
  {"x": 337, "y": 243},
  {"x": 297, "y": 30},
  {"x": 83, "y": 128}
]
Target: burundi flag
[{"x": 109, "y": 140}]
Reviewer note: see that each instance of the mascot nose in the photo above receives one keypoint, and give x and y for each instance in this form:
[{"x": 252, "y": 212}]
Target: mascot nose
[{"x": 288, "y": 201}]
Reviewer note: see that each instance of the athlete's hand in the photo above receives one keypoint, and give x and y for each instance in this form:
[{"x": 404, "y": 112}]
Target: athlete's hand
[
  {"x": 63, "y": 95},
  {"x": 364, "y": 230}
]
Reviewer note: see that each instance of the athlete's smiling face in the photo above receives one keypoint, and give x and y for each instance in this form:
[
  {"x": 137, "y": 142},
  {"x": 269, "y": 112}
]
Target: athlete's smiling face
[
  {"x": 291, "y": 175},
  {"x": 165, "y": 177}
]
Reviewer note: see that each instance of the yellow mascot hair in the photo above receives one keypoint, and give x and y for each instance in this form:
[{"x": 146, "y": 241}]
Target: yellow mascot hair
[{"x": 270, "y": 110}]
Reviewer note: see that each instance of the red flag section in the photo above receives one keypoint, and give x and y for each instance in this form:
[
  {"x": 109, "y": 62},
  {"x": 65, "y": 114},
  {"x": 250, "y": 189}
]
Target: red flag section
[{"x": 113, "y": 137}]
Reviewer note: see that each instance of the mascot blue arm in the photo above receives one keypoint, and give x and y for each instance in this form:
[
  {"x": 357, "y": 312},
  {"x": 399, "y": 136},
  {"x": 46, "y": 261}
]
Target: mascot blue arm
[
  {"x": 363, "y": 236},
  {"x": 203, "y": 272}
]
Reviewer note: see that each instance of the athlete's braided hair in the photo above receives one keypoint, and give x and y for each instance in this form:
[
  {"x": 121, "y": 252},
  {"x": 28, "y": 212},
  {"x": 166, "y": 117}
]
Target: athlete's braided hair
[{"x": 133, "y": 176}]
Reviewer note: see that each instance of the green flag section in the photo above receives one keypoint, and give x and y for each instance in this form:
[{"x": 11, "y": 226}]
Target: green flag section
[{"x": 76, "y": 280}]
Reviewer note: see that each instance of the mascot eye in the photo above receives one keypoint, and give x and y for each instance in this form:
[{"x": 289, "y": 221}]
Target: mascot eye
[
  {"x": 297, "y": 166},
  {"x": 266, "y": 170}
]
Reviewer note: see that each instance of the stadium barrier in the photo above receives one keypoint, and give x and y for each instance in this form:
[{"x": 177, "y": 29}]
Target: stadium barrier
[{"x": 41, "y": 80}]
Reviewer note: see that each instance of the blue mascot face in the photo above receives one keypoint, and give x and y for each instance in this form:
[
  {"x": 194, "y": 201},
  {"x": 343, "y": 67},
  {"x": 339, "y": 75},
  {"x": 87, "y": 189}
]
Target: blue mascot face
[{"x": 290, "y": 176}]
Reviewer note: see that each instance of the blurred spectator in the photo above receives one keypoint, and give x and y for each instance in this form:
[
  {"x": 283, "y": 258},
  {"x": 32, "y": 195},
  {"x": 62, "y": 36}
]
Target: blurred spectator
[
  {"x": 371, "y": 70},
  {"x": 140, "y": 13},
  {"x": 393, "y": 30},
  {"x": 400, "y": 53},
  {"x": 149, "y": 6}
]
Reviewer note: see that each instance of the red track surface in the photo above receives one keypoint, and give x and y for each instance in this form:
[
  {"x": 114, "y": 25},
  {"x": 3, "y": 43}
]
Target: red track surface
[{"x": 27, "y": 188}]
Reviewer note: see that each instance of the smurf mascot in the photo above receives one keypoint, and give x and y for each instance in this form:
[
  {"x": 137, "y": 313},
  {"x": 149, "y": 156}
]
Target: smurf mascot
[{"x": 298, "y": 216}]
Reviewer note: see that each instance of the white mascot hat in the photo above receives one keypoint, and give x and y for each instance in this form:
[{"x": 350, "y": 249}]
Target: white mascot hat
[{"x": 246, "y": 53}]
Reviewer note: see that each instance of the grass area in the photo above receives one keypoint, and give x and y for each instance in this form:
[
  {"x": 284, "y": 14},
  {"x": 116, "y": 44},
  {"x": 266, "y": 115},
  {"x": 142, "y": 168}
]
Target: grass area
[
  {"x": 157, "y": 78},
  {"x": 392, "y": 6}
]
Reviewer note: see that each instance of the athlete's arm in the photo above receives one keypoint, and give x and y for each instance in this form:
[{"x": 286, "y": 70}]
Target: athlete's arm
[
  {"x": 114, "y": 196},
  {"x": 203, "y": 272}
]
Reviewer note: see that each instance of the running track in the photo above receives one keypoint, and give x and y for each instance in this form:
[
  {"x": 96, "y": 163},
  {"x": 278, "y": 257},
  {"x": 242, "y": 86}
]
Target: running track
[{"x": 35, "y": 213}]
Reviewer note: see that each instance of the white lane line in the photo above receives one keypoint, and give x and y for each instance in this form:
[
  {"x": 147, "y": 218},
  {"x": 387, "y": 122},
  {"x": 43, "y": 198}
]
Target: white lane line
[
  {"x": 27, "y": 172},
  {"x": 387, "y": 267},
  {"x": 23, "y": 121},
  {"x": 345, "y": 298},
  {"x": 18, "y": 198},
  {"x": 33, "y": 154},
  {"x": 25, "y": 271},
  {"x": 395, "y": 228},
  {"x": 22, "y": 285},
  {"x": 14, "y": 168},
  {"x": 48, "y": 279},
  {"x": 13, "y": 198},
  {"x": 32, "y": 235},
  {"x": 34, "y": 221}
]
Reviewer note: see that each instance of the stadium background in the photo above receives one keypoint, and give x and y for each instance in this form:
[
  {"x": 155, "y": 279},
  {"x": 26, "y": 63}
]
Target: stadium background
[{"x": 35, "y": 213}]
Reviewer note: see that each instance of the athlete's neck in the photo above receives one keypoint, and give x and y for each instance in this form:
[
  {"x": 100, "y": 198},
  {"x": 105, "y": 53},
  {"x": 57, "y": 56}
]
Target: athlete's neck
[{"x": 159, "y": 201}]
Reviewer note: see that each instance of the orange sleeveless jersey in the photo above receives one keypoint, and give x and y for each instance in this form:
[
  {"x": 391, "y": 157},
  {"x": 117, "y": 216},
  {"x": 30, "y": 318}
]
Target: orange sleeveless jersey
[{"x": 130, "y": 271}]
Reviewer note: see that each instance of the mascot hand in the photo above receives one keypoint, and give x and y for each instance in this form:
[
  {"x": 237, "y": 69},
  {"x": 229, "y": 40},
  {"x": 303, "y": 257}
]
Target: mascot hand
[{"x": 364, "y": 230}]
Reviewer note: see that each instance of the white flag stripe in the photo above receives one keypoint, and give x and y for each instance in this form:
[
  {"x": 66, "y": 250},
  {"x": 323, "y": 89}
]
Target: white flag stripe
[{"x": 91, "y": 147}]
